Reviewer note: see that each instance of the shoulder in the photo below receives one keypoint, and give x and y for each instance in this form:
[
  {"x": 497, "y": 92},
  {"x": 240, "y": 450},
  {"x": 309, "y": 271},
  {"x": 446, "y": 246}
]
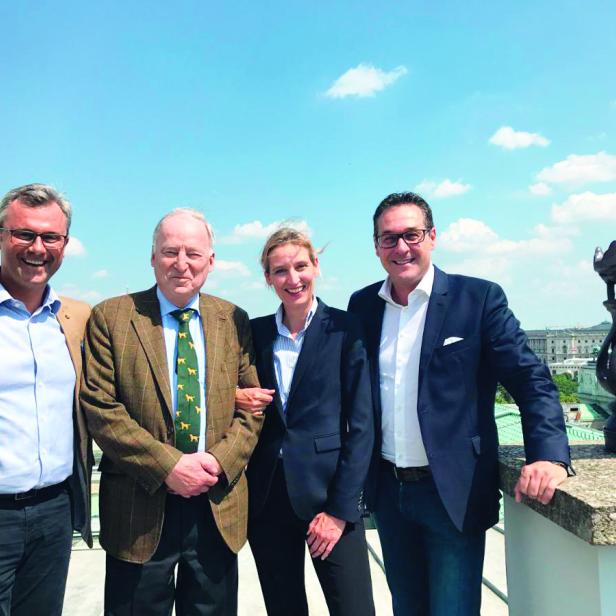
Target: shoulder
[
  {"x": 366, "y": 294},
  {"x": 467, "y": 285},
  {"x": 75, "y": 307},
  {"x": 224, "y": 308},
  {"x": 76, "y": 312}
]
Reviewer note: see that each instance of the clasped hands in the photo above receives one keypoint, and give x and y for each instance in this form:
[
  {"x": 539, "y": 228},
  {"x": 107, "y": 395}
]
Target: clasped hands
[{"x": 194, "y": 474}]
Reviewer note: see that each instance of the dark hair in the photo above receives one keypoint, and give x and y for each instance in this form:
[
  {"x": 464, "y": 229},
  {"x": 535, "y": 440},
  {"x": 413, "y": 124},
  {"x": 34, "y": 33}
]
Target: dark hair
[{"x": 403, "y": 198}]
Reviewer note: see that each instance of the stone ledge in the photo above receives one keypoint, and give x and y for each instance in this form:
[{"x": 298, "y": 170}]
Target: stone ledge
[{"x": 585, "y": 505}]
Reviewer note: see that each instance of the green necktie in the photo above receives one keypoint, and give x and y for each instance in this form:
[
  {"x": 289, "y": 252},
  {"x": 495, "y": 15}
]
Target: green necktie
[{"x": 187, "y": 414}]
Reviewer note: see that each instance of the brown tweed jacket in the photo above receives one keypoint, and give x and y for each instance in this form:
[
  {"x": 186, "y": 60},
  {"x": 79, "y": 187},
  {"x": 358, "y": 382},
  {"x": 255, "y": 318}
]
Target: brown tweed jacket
[
  {"x": 72, "y": 317},
  {"x": 126, "y": 395}
]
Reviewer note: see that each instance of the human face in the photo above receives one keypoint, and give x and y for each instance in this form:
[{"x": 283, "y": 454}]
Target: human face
[
  {"x": 292, "y": 274},
  {"x": 406, "y": 265},
  {"x": 182, "y": 258},
  {"x": 26, "y": 268}
]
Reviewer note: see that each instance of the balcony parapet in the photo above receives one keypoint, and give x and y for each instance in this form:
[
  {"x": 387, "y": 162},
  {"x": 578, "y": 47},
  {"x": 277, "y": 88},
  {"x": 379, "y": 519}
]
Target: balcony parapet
[{"x": 584, "y": 505}]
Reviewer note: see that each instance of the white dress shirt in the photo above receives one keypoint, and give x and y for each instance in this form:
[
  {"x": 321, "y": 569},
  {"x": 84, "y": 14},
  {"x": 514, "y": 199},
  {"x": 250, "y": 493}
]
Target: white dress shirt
[
  {"x": 37, "y": 386},
  {"x": 171, "y": 327},
  {"x": 286, "y": 351},
  {"x": 399, "y": 354}
]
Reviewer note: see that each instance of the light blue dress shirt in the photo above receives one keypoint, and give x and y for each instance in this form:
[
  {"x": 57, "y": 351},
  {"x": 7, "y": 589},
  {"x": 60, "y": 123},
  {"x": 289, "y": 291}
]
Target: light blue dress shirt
[
  {"x": 286, "y": 352},
  {"x": 170, "y": 330},
  {"x": 37, "y": 385}
]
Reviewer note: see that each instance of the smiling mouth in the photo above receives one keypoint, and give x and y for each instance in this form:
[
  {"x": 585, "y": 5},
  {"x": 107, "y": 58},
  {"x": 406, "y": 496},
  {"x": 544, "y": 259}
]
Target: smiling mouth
[
  {"x": 296, "y": 290},
  {"x": 406, "y": 261},
  {"x": 33, "y": 263}
]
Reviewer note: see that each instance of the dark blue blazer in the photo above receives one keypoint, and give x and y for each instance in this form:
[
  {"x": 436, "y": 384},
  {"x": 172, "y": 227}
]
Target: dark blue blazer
[
  {"x": 327, "y": 432},
  {"x": 457, "y": 387}
]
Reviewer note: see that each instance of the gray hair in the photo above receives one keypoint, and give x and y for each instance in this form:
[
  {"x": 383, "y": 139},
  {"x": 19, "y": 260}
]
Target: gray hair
[
  {"x": 184, "y": 211},
  {"x": 36, "y": 195}
]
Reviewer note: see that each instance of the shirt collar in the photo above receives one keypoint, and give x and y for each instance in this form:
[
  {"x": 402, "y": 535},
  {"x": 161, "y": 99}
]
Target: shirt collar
[
  {"x": 166, "y": 307},
  {"x": 282, "y": 328},
  {"x": 51, "y": 301},
  {"x": 424, "y": 287}
]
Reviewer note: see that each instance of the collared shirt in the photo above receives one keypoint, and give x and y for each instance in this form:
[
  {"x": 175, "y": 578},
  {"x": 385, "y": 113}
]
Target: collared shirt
[
  {"x": 286, "y": 351},
  {"x": 171, "y": 327},
  {"x": 37, "y": 387},
  {"x": 399, "y": 355}
]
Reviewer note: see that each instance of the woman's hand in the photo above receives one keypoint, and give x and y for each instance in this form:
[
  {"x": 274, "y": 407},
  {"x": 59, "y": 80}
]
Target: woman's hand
[
  {"x": 323, "y": 534},
  {"x": 253, "y": 399}
]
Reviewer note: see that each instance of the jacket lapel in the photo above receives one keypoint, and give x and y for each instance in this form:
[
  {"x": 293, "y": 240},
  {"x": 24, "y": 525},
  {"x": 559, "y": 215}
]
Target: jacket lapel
[
  {"x": 435, "y": 316},
  {"x": 312, "y": 341},
  {"x": 267, "y": 365},
  {"x": 212, "y": 321},
  {"x": 148, "y": 325}
]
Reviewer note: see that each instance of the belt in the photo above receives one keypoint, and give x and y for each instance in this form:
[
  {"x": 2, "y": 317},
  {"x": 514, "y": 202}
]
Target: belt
[
  {"x": 31, "y": 497},
  {"x": 409, "y": 474}
]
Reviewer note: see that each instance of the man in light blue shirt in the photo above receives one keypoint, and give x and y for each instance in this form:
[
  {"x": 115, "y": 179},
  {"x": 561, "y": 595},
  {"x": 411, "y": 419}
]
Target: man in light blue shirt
[{"x": 43, "y": 460}]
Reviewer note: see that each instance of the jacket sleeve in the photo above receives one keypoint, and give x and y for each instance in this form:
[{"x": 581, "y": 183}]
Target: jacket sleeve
[
  {"x": 238, "y": 441},
  {"x": 526, "y": 378},
  {"x": 343, "y": 499},
  {"x": 130, "y": 447}
]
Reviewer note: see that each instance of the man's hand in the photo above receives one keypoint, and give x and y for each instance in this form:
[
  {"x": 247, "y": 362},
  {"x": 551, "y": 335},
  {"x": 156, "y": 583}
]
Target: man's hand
[
  {"x": 323, "y": 534},
  {"x": 193, "y": 474},
  {"x": 538, "y": 481},
  {"x": 253, "y": 399}
]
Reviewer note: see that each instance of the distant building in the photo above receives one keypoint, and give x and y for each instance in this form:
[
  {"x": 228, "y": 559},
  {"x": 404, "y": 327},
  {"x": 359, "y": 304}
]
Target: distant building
[{"x": 555, "y": 346}]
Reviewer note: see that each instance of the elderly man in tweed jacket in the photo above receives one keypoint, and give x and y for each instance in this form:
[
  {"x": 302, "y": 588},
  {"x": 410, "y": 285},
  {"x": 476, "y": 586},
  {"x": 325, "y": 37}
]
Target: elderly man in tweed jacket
[{"x": 173, "y": 498}]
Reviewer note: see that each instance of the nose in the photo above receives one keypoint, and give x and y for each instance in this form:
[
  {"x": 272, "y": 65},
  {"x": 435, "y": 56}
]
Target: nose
[
  {"x": 181, "y": 261},
  {"x": 292, "y": 277},
  {"x": 37, "y": 245}
]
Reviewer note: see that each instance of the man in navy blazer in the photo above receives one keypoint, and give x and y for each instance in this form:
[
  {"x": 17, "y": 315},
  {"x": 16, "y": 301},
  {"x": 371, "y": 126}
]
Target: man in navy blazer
[{"x": 438, "y": 345}]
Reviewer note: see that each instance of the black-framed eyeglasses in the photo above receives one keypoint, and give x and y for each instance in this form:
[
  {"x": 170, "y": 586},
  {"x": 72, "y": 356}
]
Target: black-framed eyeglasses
[
  {"x": 27, "y": 236},
  {"x": 410, "y": 237}
]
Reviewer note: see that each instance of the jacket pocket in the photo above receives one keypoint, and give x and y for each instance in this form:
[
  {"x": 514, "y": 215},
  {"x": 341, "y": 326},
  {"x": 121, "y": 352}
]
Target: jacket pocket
[{"x": 329, "y": 442}]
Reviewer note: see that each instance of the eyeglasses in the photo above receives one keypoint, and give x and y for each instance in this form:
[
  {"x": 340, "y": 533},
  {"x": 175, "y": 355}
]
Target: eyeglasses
[
  {"x": 27, "y": 236},
  {"x": 410, "y": 237}
]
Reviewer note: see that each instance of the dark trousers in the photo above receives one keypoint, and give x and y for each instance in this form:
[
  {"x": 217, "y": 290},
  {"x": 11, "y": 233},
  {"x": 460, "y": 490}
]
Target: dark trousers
[
  {"x": 432, "y": 568},
  {"x": 278, "y": 542},
  {"x": 35, "y": 548},
  {"x": 206, "y": 580}
]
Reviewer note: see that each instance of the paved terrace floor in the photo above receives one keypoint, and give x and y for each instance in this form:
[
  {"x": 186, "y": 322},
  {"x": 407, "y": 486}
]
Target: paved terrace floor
[{"x": 84, "y": 594}]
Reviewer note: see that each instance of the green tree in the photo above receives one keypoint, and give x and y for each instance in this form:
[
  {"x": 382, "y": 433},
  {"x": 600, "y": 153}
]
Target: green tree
[
  {"x": 567, "y": 388},
  {"x": 502, "y": 395}
]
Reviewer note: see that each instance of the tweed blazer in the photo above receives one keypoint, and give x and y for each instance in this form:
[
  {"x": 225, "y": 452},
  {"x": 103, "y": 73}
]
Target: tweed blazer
[
  {"x": 72, "y": 317},
  {"x": 127, "y": 399}
]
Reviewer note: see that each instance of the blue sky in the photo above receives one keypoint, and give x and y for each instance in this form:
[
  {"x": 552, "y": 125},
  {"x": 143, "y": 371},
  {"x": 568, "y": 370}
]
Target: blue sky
[{"x": 503, "y": 115}]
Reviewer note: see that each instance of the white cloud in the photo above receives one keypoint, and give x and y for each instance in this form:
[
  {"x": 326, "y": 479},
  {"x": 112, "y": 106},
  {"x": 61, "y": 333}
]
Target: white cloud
[
  {"x": 585, "y": 207},
  {"x": 510, "y": 139},
  {"x": 234, "y": 268},
  {"x": 364, "y": 80},
  {"x": 87, "y": 295},
  {"x": 540, "y": 189},
  {"x": 257, "y": 230},
  {"x": 578, "y": 169},
  {"x": 468, "y": 235},
  {"x": 444, "y": 189},
  {"x": 101, "y": 274},
  {"x": 74, "y": 248}
]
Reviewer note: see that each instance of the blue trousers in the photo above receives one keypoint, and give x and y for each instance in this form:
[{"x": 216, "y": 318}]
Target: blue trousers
[
  {"x": 432, "y": 568},
  {"x": 35, "y": 548}
]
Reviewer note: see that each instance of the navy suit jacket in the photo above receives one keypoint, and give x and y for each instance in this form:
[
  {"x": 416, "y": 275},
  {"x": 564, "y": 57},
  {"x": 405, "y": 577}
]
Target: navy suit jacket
[
  {"x": 327, "y": 431},
  {"x": 457, "y": 387}
]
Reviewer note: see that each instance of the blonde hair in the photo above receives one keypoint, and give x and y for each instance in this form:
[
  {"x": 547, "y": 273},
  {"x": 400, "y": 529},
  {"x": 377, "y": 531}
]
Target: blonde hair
[{"x": 286, "y": 235}]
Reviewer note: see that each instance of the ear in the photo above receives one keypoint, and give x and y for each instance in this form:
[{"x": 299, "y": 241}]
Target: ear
[
  {"x": 267, "y": 278},
  {"x": 211, "y": 262},
  {"x": 316, "y": 264}
]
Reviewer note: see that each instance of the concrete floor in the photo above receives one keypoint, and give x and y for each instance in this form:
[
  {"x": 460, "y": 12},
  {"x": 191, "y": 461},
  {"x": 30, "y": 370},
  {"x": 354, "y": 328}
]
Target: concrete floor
[{"x": 84, "y": 593}]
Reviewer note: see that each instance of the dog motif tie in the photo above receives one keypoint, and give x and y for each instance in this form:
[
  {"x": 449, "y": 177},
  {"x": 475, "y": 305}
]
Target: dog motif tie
[{"x": 188, "y": 411}]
